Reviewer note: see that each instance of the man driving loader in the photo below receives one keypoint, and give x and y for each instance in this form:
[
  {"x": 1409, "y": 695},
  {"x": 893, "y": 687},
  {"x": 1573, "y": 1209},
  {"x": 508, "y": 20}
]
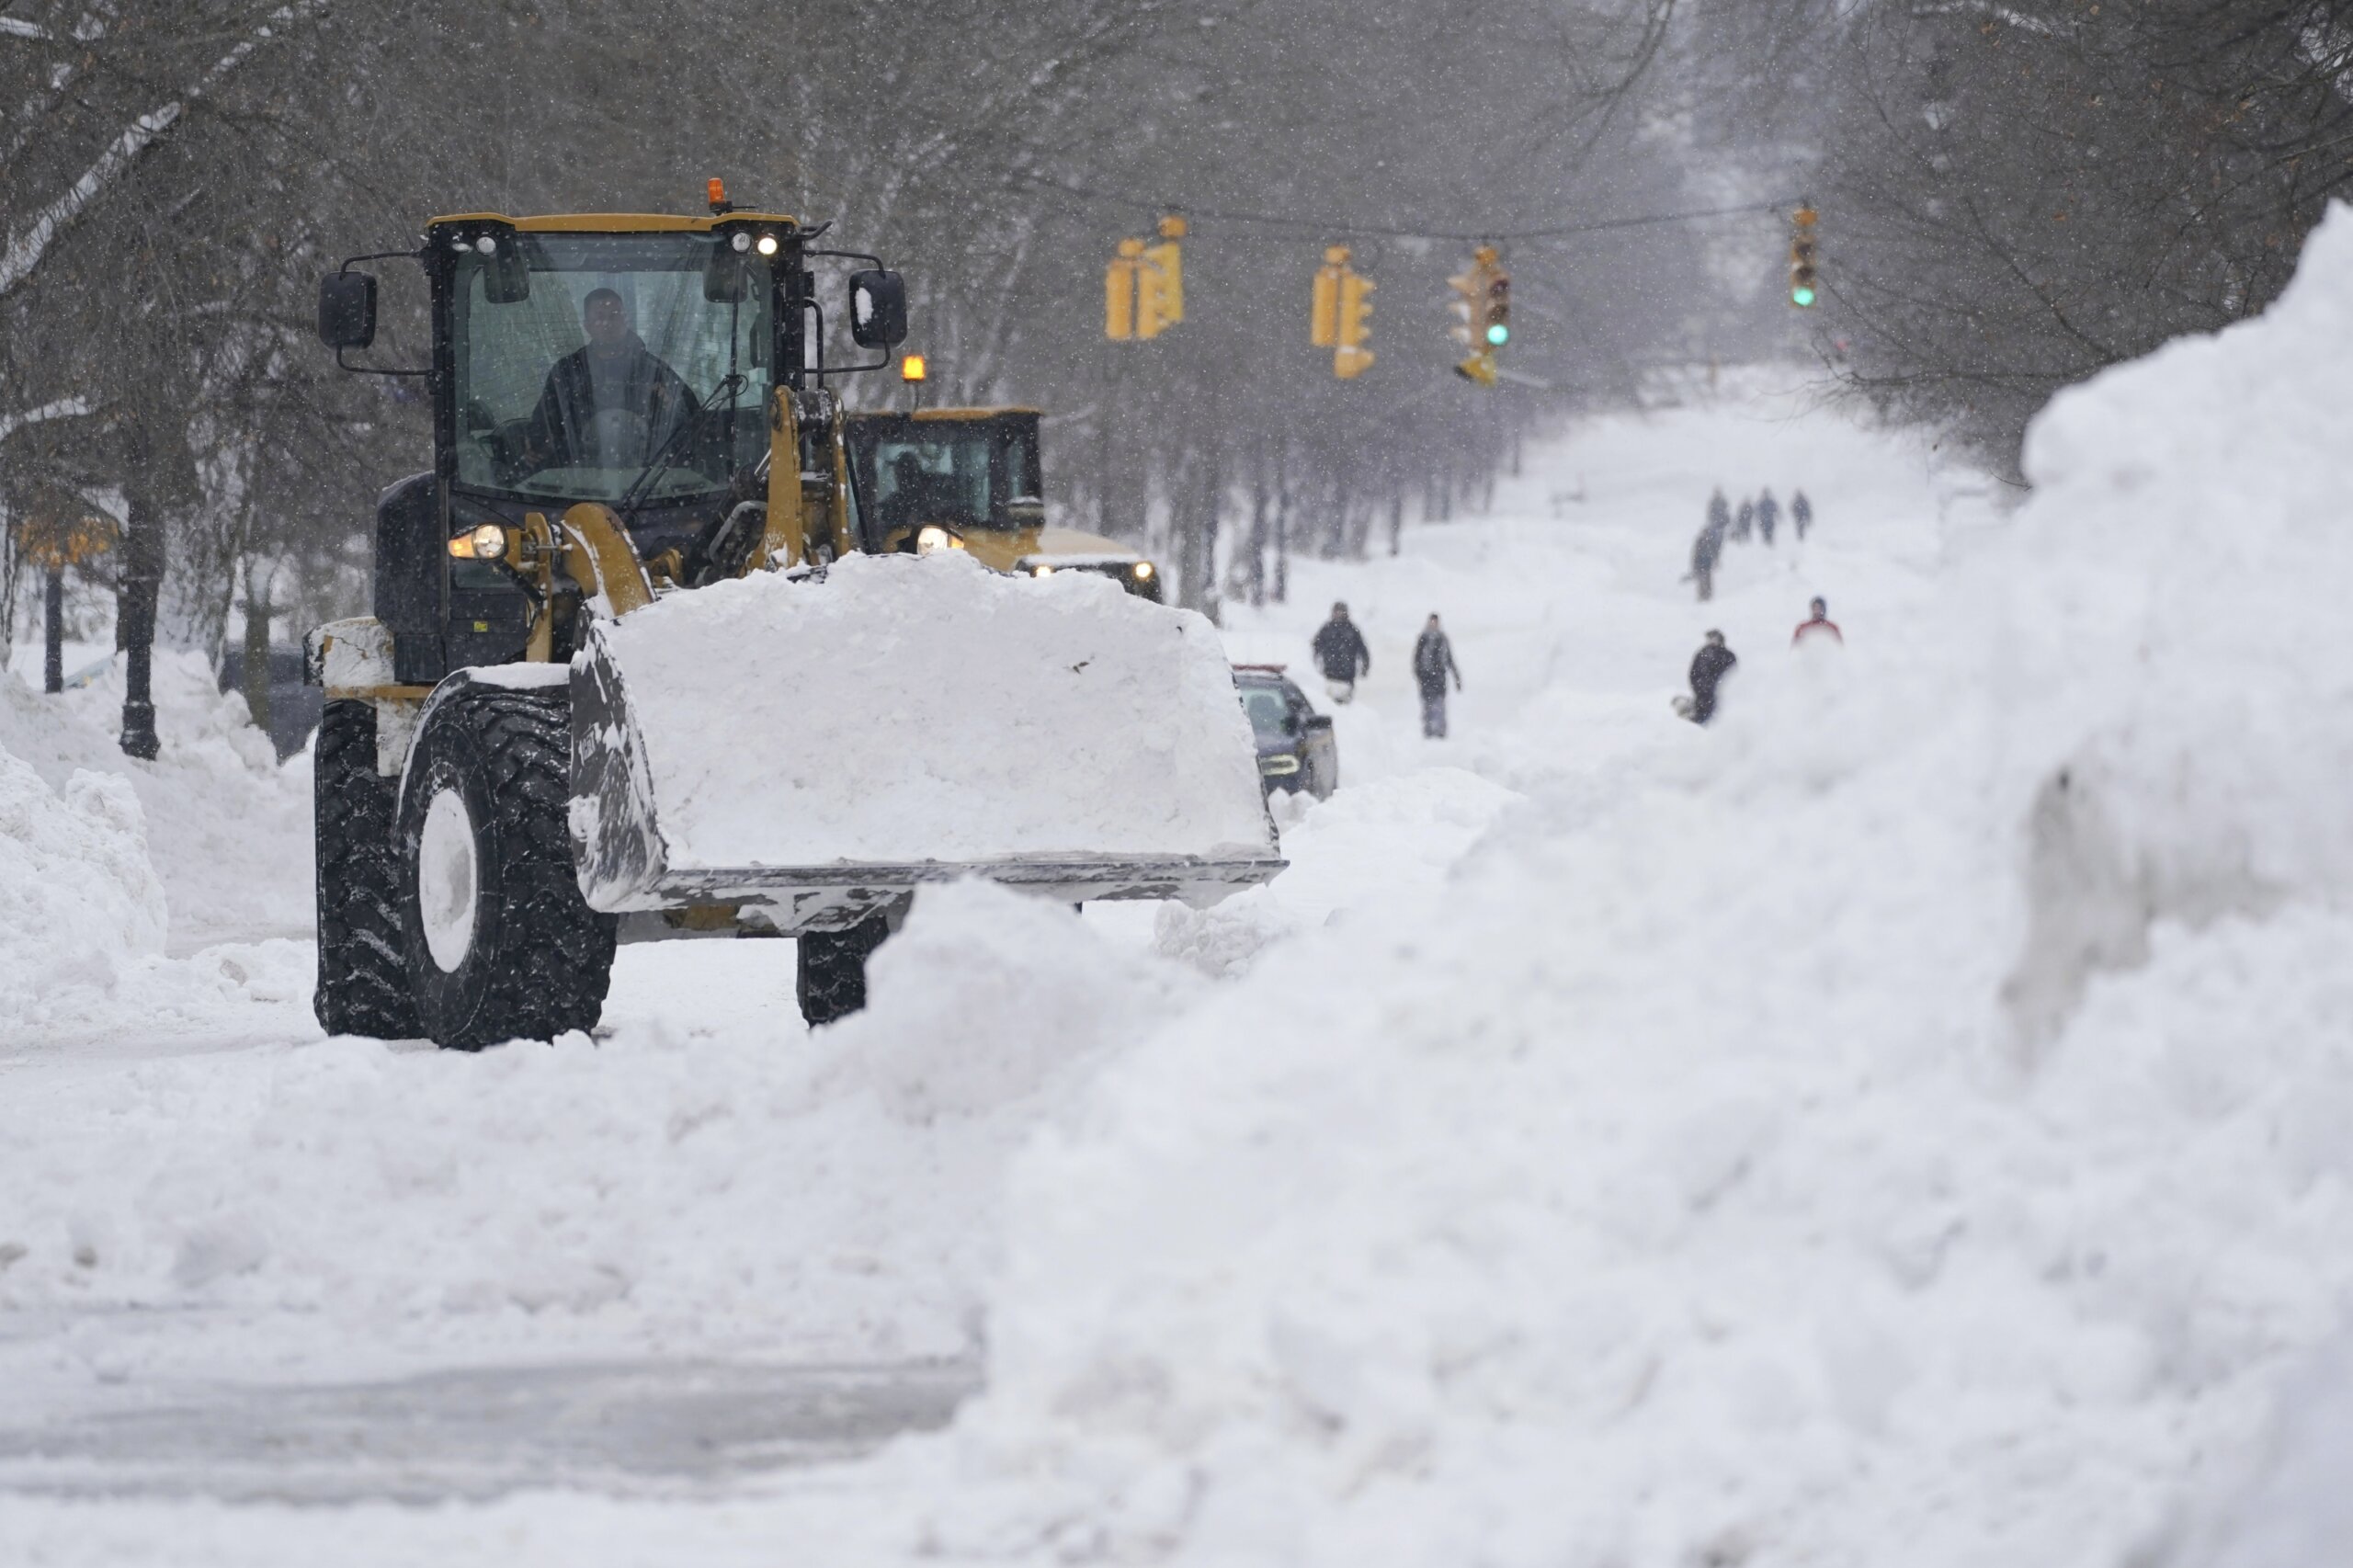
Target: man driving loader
[{"x": 612, "y": 402}]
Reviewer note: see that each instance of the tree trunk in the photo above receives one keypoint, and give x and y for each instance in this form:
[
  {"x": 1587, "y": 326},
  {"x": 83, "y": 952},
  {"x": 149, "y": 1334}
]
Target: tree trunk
[
  {"x": 52, "y": 661},
  {"x": 134, "y": 626},
  {"x": 256, "y": 670},
  {"x": 1258, "y": 541},
  {"x": 1396, "y": 521}
]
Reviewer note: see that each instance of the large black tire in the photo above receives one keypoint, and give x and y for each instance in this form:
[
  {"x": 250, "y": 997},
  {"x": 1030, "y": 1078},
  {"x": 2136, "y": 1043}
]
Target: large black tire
[
  {"x": 500, "y": 943},
  {"x": 363, "y": 958},
  {"x": 832, "y": 979}
]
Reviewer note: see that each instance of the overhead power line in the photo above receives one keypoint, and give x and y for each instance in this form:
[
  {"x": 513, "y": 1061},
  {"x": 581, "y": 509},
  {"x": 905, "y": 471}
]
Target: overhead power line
[{"x": 1338, "y": 226}]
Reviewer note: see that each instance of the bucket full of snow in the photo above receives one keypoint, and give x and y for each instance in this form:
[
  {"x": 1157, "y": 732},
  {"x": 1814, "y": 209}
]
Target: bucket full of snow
[{"x": 820, "y": 746}]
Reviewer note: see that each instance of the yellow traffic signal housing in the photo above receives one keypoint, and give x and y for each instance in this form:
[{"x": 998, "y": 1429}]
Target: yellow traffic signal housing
[
  {"x": 1351, "y": 359},
  {"x": 1153, "y": 315},
  {"x": 1494, "y": 316},
  {"x": 1168, "y": 259},
  {"x": 1355, "y": 308},
  {"x": 1803, "y": 289},
  {"x": 1324, "y": 317},
  {"x": 1120, "y": 292}
]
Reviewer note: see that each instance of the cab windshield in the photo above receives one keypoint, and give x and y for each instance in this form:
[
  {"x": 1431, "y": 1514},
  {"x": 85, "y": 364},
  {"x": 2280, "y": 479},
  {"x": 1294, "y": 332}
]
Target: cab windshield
[
  {"x": 963, "y": 476},
  {"x": 616, "y": 359}
]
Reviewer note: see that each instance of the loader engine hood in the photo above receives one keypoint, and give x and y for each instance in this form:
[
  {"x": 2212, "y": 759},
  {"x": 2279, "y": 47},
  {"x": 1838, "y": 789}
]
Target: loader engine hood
[{"x": 905, "y": 719}]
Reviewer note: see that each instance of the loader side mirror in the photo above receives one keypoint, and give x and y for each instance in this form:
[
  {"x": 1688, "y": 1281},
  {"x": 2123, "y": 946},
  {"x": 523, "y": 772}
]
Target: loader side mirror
[
  {"x": 507, "y": 279},
  {"x": 724, "y": 277},
  {"x": 348, "y": 310},
  {"x": 1318, "y": 724},
  {"x": 877, "y": 309}
]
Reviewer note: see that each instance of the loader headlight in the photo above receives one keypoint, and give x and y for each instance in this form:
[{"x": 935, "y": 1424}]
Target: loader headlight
[
  {"x": 487, "y": 543},
  {"x": 1041, "y": 571},
  {"x": 1278, "y": 766},
  {"x": 931, "y": 539},
  {"x": 1143, "y": 569},
  {"x": 767, "y": 244}
]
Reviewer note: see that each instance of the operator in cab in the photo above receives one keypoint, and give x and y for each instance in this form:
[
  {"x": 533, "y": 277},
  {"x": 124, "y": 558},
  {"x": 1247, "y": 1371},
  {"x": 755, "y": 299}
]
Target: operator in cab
[{"x": 611, "y": 403}]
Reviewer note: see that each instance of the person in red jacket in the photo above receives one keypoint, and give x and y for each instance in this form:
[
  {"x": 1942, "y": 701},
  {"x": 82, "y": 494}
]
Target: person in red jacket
[{"x": 1818, "y": 624}]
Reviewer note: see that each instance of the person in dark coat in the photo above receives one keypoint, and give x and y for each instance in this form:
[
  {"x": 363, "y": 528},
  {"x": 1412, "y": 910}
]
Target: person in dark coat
[
  {"x": 1718, "y": 513},
  {"x": 1704, "y": 551},
  {"x": 1800, "y": 514},
  {"x": 1769, "y": 512},
  {"x": 1341, "y": 654},
  {"x": 1433, "y": 661},
  {"x": 1709, "y": 665},
  {"x": 1744, "y": 520},
  {"x": 609, "y": 403}
]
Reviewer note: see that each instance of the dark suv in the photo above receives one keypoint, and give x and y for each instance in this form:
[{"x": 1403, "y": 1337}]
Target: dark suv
[{"x": 1295, "y": 746}]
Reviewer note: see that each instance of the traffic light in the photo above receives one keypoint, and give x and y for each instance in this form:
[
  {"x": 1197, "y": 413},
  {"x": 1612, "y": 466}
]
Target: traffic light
[
  {"x": 1802, "y": 292},
  {"x": 1482, "y": 314},
  {"x": 1497, "y": 317},
  {"x": 1323, "y": 309},
  {"x": 1164, "y": 274},
  {"x": 1120, "y": 292},
  {"x": 1351, "y": 358}
]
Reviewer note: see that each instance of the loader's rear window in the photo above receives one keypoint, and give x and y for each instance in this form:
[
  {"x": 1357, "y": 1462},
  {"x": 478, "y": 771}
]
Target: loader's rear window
[{"x": 616, "y": 359}]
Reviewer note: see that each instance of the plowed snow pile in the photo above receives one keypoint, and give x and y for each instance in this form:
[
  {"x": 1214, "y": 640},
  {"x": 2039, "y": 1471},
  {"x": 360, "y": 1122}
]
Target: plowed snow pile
[
  {"x": 742, "y": 1192},
  {"x": 1915, "y": 1128},
  {"x": 77, "y": 896},
  {"x": 860, "y": 719}
]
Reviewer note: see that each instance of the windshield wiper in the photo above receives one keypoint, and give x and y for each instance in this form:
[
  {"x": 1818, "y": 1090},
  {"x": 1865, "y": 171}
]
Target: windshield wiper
[{"x": 631, "y": 501}]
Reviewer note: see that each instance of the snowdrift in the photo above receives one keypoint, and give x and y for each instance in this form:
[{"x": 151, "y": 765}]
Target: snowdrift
[
  {"x": 77, "y": 896},
  {"x": 1921, "y": 1125},
  {"x": 228, "y": 828},
  {"x": 834, "y": 1195}
]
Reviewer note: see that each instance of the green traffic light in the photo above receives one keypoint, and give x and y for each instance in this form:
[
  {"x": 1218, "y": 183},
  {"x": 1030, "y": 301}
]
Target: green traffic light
[
  {"x": 1499, "y": 334},
  {"x": 1801, "y": 296}
]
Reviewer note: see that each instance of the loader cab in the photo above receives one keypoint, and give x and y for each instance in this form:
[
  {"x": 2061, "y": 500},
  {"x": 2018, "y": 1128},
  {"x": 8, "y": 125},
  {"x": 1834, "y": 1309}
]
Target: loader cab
[
  {"x": 627, "y": 359},
  {"x": 971, "y": 479}
]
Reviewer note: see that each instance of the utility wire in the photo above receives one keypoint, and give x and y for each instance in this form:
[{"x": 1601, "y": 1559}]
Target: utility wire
[{"x": 1329, "y": 226}]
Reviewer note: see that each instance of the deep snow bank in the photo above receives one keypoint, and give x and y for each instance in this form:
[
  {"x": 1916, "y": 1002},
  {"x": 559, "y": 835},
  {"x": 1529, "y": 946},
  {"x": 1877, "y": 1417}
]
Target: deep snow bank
[
  {"x": 78, "y": 897},
  {"x": 923, "y": 708},
  {"x": 228, "y": 828},
  {"x": 1917, "y": 1124},
  {"x": 751, "y": 1190}
]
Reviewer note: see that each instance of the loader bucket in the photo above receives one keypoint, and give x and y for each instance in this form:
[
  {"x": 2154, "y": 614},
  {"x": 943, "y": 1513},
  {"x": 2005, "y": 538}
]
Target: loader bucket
[{"x": 820, "y": 746}]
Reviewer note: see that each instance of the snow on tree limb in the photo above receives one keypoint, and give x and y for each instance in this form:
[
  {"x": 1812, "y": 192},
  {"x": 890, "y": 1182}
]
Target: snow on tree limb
[{"x": 26, "y": 249}]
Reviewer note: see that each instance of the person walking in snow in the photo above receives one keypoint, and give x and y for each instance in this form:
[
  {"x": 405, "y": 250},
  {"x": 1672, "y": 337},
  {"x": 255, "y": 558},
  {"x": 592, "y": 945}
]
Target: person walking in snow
[
  {"x": 1433, "y": 661},
  {"x": 1341, "y": 654},
  {"x": 1769, "y": 512},
  {"x": 1818, "y": 625},
  {"x": 1709, "y": 666},
  {"x": 1718, "y": 513},
  {"x": 1801, "y": 514},
  {"x": 1744, "y": 520},
  {"x": 1704, "y": 551}
]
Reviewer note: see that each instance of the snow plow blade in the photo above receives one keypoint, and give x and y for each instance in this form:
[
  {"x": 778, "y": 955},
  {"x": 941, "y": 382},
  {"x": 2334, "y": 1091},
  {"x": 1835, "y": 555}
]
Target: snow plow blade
[{"x": 822, "y": 748}]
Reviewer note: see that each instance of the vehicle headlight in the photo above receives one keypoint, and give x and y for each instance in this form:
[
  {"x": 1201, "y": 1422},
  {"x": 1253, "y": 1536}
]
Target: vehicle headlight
[
  {"x": 1278, "y": 766},
  {"x": 487, "y": 543},
  {"x": 1143, "y": 569},
  {"x": 931, "y": 539},
  {"x": 1041, "y": 571}
]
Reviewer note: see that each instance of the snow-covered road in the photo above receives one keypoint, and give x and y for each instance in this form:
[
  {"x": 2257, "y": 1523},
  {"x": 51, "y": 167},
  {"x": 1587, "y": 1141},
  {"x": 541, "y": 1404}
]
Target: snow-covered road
[{"x": 1610, "y": 1143}]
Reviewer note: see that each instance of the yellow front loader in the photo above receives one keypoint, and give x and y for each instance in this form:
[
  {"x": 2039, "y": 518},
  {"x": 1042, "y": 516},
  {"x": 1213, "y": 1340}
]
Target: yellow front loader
[{"x": 641, "y": 665}]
